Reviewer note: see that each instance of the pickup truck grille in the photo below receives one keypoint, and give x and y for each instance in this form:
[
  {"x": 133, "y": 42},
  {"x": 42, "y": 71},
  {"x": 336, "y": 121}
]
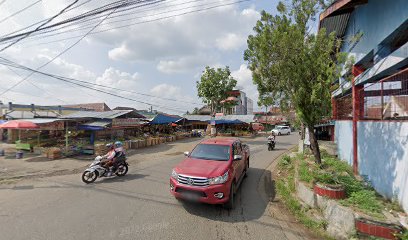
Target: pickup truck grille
[{"x": 193, "y": 181}]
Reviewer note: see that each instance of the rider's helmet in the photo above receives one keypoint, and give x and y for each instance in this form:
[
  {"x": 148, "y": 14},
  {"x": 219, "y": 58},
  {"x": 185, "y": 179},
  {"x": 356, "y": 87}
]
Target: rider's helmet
[
  {"x": 109, "y": 145},
  {"x": 118, "y": 144}
]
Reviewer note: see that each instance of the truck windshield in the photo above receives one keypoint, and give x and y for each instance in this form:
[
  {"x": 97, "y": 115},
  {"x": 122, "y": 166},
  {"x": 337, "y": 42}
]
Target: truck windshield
[{"x": 211, "y": 152}]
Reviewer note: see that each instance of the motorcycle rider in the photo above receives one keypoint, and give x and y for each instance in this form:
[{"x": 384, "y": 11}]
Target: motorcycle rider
[
  {"x": 271, "y": 137},
  {"x": 109, "y": 157},
  {"x": 119, "y": 154}
]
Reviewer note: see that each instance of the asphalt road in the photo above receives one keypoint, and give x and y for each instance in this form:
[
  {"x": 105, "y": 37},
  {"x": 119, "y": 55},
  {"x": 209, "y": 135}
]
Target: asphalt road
[{"x": 139, "y": 206}]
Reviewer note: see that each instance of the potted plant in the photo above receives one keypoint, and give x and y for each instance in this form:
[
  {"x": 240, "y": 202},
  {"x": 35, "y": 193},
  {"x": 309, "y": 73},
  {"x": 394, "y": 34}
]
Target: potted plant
[{"x": 327, "y": 185}]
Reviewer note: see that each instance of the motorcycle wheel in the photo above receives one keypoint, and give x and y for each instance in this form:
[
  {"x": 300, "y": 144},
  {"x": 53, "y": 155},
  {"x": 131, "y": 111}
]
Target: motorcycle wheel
[
  {"x": 269, "y": 148},
  {"x": 122, "y": 170},
  {"x": 89, "y": 177}
]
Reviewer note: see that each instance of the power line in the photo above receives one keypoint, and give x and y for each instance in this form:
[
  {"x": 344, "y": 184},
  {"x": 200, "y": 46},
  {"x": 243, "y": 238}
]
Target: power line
[
  {"x": 147, "y": 21},
  {"x": 115, "y": 16},
  {"x": 1, "y": 3},
  {"x": 82, "y": 84},
  {"x": 123, "y": 20},
  {"x": 65, "y": 50},
  {"x": 19, "y": 11},
  {"x": 39, "y": 22},
  {"x": 106, "y": 8},
  {"x": 152, "y": 20},
  {"x": 48, "y": 21},
  {"x": 35, "y": 85},
  {"x": 94, "y": 84}
]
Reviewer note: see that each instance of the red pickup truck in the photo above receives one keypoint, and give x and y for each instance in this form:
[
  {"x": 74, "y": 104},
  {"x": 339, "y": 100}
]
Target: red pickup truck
[{"x": 212, "y": 172}]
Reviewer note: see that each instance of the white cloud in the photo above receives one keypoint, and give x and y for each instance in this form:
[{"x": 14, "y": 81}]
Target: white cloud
[
  {"x": 231, "y": 41},
  {"x": 177, "y": 46},
  {"x": 118, "y": 79},
  {"x": 184, "y": 64},
  {"x": 169, "y": 42},
  {"x": 166, "y": 90},
  {"x": 244, "y": 82}
]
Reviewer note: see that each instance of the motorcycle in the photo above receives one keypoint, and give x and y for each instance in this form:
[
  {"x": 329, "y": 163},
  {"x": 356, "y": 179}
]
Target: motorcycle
[
  {"x": 271, "y": 144},
  {"x": 96, "y": 170}
]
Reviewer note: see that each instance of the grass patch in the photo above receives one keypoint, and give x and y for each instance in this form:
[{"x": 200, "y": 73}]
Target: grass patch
[
  {"x": 366, "y": 201},
  {"x": 286, "y": 188},
  {"x": 295, "y": 207},
  {"x": 360, "y": 195},
  {"x": 285, "y": 161},
  {"x": 403, "y": 235}
]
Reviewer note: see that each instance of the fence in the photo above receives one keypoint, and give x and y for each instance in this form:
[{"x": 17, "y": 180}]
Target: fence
[
  {"x": 344, "y": 107},
  {"x": 386, "y": 99}
]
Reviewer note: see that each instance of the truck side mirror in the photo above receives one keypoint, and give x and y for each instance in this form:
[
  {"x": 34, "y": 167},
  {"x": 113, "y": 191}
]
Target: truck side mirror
[
  {"x": 186, "y": 154},
  {"x": 237, "y": 157}
]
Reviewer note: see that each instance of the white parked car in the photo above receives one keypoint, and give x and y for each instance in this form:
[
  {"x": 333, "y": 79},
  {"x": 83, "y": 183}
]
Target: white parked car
[{"x": 281, "y": 130}]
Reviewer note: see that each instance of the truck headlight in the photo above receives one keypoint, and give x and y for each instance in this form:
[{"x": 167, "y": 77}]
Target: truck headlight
[
  {"x": 174, "y": 174},
  {"x": 219, "y": 180}
]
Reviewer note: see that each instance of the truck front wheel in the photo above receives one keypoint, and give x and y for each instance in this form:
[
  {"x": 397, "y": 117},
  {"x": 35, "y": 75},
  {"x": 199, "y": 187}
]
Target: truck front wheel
[
  {"x": 230, "y": 204},
  {"x": 246, "y": 168}
]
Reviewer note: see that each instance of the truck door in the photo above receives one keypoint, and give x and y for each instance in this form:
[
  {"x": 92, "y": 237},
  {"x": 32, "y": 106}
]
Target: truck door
[{"x": 239, "y": 165}]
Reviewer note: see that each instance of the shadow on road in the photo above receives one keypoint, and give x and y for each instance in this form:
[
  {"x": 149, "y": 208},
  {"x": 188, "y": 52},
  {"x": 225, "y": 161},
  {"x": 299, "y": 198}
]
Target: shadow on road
[
  {"x": 251, "y": 200},
  {"x": 128, "y": 177}
]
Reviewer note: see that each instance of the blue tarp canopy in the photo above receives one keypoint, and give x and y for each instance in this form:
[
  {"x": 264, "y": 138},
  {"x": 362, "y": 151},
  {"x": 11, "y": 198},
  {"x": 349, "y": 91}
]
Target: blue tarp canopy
[
  {"x": 90, "y": 128},
  {"x": 224, "y": 121},
  {"x": 164, "y": 119}
]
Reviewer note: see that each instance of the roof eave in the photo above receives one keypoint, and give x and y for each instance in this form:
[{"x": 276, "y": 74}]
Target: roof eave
[{"x": 339, "y": 6}]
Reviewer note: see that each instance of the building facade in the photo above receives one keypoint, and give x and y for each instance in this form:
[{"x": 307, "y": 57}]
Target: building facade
[
  {"x": 239, "y": 103},
  {"x": 370, "y": 111}
]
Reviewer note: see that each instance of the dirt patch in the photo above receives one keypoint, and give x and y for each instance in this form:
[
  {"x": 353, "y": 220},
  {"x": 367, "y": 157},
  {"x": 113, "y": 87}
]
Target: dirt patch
[
  {"x": 174, "y": 153},
  {"x": 39, "y": 159}
]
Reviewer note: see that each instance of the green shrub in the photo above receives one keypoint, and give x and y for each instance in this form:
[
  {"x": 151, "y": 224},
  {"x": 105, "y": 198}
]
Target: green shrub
[
  {"x": 403, "y": 235},
  {"x": 337, "y": 165},
  {"x": 326, "y": 178},
  {"x": 285, "y": 161},
  {"x": 367, "y": 201},
  {"x": 351, "y": 184}
]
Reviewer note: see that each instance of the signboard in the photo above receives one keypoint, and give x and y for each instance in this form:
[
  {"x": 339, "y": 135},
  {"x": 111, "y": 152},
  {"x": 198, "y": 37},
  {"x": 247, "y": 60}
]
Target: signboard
[{"x": 126, "y": 122}]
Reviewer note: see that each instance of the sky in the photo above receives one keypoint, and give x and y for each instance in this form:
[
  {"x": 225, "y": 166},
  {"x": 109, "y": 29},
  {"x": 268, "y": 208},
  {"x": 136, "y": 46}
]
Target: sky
[{"x": 161, "y": 58}]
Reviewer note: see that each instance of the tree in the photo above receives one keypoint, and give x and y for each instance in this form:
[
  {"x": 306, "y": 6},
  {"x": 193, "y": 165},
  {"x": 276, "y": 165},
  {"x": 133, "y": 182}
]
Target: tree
[
  {"x": 214, "y": 86},
  {"x": 286, "y": 59},
  {"x": 195, "y": 111},
  {"x": 266, "y": 101}
]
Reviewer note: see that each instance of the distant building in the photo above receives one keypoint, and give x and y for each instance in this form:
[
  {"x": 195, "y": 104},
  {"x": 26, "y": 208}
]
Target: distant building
[
  {"x": 97, "y": 107},
  {"x": 241, "y": 104},
  {"x": 204, "y": 111},
  {"x": 370, "y": 113},
  {"x": 249, "y": 106},
  {"x": 28, "y": 111}
]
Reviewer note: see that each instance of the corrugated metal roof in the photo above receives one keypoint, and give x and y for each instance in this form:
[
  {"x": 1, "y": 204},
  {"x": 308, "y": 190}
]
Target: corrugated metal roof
[
  {"x": 201, "y": 118},
  {"x": 337, "y": 23},
  {"x": 206, "y": 118},
  {"x": 44, "y": 120},
  {"x": 99, "y": 115},
  {"x": 16, "y": 114}
]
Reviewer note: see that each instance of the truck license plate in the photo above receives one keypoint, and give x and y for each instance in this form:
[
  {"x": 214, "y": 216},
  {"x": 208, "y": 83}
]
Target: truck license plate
[{"x": 190, "y": 196}]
